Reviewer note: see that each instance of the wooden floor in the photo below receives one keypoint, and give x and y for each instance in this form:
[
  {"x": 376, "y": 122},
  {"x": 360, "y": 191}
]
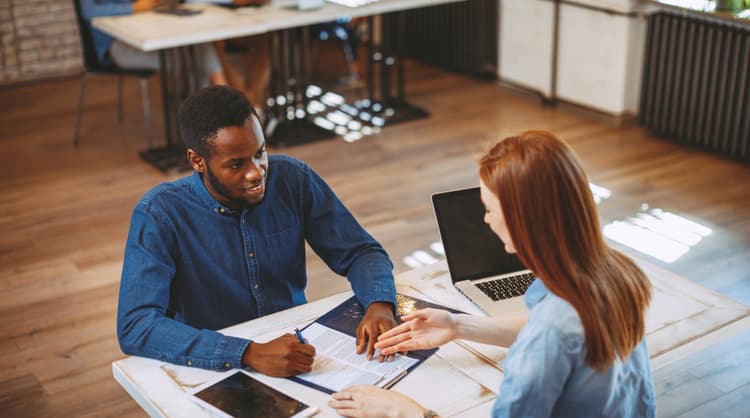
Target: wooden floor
[{"x": 64, "y": 216}]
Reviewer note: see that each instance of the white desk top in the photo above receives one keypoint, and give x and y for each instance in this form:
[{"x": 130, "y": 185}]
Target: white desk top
[
  {"x": 161, "y": 388},
  {"x": 152, "y": 31},
  {"x": 462, "y": 378}
]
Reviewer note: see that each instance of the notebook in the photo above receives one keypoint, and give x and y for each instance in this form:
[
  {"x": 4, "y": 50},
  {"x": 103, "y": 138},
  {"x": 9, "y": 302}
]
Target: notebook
[{"x": 479, "y": 266}]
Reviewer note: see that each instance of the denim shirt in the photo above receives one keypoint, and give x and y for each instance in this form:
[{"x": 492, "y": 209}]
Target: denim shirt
[
  {"x": 193, "y": 266},
  {"x": 99, "y": 8},
  {"x": 546, "y": 374}
]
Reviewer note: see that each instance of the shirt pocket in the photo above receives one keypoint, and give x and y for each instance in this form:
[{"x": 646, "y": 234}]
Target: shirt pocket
[{"x": 286, "y": 260}]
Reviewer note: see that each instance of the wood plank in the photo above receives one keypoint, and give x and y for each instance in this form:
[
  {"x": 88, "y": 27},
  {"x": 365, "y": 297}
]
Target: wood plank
[
  {"x": 20, "y": 393},
  {"x": 731, "y": 405}
]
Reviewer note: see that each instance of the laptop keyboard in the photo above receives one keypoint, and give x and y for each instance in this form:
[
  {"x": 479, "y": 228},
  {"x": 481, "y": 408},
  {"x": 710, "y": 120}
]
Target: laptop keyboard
[{"x": 506, "y": 288}]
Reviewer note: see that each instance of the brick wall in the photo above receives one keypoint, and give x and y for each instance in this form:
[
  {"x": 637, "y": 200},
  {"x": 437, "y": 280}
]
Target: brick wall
[{"x": 38, "y": 39}]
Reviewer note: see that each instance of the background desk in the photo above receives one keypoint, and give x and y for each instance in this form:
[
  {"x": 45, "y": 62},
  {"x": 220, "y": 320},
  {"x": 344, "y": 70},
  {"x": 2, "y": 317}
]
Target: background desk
[
  {"x": 160, "y": 32},
  {"x": 462, "y": 378},
  {"x": 152, "y": 31}
]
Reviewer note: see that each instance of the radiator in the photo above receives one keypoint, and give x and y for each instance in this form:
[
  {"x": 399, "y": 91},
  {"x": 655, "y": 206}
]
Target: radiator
[
  {"x": 459, "y": 36},
  {"x": 696, "y": 82}
]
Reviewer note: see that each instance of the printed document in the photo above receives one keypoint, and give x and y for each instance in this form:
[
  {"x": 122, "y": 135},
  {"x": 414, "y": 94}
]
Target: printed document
[{"x": 338, "y": 366}]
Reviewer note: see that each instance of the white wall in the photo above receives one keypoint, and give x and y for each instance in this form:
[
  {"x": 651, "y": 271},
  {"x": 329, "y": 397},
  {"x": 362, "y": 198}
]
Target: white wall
[
  {"x": 600, "y": 55},
  {"x": 526, "y": 43},
  {"x": 600, "y": 59}
]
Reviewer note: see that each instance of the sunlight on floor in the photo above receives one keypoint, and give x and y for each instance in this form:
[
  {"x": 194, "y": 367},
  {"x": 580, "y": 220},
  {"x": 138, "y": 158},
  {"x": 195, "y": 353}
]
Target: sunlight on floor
[
  {"x": 330, "y": 111},
  {"x": 425, "y": 257},
  {"x": 663, "y": 235},
  {"x": 600, "y": 193},
  {"x": 655, "y": 232},
  {"x": 660, "y": 234}
]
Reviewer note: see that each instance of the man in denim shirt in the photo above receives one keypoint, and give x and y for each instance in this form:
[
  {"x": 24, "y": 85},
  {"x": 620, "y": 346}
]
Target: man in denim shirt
[{"x": 227, "y": 244}]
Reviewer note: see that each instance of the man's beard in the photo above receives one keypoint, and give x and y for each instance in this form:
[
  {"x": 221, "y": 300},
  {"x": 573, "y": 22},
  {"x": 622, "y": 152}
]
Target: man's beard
[{"x": 223, "y": 190}]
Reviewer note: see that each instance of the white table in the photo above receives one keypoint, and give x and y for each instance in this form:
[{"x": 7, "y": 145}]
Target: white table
[
  {"x": 462, "y": 378},
  {"x": 152, "y": 31}
]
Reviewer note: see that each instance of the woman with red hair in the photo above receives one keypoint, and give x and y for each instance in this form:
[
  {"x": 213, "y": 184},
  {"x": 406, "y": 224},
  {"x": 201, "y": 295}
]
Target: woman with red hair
[{"x": 580, "y": 350}]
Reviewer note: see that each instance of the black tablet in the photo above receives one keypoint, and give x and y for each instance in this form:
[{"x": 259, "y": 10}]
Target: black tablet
[{"x": 237, "y": 394}]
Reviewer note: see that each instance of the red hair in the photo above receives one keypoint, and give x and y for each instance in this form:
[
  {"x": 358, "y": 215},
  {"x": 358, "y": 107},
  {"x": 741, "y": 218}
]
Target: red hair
[{"x": 554, "y": 224}]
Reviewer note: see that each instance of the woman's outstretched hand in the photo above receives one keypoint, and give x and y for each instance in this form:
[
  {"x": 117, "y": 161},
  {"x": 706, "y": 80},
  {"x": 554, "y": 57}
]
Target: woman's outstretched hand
[{"x": 422, "y": 329}]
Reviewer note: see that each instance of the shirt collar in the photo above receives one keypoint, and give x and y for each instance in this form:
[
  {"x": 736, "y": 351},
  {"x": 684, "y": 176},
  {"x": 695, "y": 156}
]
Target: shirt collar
[
  {"x": 535, "y": 293},
  {"x": 196, "y": 184}
]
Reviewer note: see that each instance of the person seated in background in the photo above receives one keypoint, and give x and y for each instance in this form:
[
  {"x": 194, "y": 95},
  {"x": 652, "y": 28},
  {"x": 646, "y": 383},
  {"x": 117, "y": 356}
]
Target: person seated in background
[
  {"x": 250, "y": 72},
  {"x": 227, "y": 244},
  {"x": 581, "y": 350},
  {"x": 125, "y": 56},
  {"x": 254, "y": 71}
]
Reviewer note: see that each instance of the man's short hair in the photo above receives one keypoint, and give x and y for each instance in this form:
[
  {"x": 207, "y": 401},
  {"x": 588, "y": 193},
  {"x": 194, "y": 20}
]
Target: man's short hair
[{"x": 207, "y": 111}]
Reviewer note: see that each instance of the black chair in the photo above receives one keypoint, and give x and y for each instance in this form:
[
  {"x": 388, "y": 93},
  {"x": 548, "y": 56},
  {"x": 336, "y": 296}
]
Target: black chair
[{"x": 94, "y": 67}]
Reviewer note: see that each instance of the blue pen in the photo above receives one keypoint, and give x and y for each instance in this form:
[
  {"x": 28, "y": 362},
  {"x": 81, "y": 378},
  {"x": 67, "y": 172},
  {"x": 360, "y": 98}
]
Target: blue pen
[{"x": 299, "y": 336}]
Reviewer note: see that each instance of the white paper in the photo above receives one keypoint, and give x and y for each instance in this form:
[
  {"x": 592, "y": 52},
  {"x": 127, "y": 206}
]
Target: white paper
[{"x": 338, "y": 366}]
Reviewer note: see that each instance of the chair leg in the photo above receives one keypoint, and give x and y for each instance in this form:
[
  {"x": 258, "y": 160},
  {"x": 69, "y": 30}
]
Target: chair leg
[
  {"x": 119, "y": 99},
  {"x": 80, "y": 108},
  {"x": 146, "y": 109}
]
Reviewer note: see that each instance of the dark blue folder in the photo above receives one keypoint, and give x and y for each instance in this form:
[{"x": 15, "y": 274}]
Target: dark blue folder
[{"x": 345, "y": 318}]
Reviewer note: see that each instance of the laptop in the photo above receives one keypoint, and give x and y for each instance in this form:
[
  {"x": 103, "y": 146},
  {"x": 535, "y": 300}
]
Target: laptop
[{"x": 479, "y": 266}]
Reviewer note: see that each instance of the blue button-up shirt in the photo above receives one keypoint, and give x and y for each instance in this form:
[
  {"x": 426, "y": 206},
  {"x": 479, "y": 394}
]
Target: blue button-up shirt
[
  {"x": 193, "y": 266},
  {"x": 546, "y": 372}
]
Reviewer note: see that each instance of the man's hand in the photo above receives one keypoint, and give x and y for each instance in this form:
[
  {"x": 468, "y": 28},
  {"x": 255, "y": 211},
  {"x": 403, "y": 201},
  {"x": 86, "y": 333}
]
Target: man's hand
[
  {"x": 282, "y": 357},
  {"x": 377, "y": 320}
]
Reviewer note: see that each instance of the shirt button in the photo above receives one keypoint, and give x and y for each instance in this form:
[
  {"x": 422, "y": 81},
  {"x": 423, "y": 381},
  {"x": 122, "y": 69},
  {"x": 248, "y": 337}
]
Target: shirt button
[
  {"x": 222, "y": 210},
  {"x": 190, "y": 363},
  {"x": 251, "y": 254},
  {"x": 227, "y": 365}
]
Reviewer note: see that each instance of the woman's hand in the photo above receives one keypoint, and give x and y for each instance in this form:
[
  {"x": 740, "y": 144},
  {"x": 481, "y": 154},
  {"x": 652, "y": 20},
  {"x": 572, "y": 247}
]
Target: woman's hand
[
  {"x": 422, "y": 329},
  {"x": 366, "y": 401}
]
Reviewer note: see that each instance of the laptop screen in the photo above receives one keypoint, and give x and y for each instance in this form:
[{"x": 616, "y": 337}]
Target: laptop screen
[{"x": 472, "y": 250}]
